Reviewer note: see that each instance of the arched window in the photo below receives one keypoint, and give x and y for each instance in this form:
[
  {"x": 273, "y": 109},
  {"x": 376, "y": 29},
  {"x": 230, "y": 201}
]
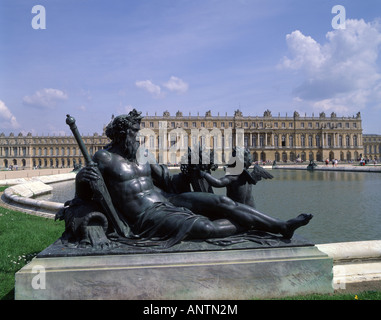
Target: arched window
[
  {"x": 340, "y": 140},
  {"x": 291, "y": 140},
  {"x": 310, "y": 141},
  {"x": 152, "y": 142},
  {"x": 246, "y": 141},
  {"x": 355, "y": 140},
  {"x": 254, "y": 140},
  {"x": 317, "y": 140}
]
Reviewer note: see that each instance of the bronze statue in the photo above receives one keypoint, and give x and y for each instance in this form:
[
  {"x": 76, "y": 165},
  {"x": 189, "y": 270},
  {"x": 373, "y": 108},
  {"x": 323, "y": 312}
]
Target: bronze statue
[
  {"x": 116, "y": 200},
  {"x": 311, "y": 166}
]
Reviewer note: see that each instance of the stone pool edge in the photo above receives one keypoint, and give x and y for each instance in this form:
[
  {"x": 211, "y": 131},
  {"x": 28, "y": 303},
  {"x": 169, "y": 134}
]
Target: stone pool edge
[{"x": 19, "y": 195}]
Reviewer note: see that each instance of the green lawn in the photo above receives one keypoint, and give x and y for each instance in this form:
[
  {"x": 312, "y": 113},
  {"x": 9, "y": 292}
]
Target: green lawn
[
  {"x": 22, "y": 236},
  {"x": 366, "y": 295}
]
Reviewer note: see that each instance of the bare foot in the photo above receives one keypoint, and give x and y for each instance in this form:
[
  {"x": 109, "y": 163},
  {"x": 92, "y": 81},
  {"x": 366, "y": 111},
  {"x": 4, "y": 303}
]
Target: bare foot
[{"x": 293, "y": 224}]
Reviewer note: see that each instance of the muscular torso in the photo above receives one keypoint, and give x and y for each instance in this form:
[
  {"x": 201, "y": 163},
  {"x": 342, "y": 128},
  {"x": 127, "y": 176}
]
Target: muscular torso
[{"x": 130, "y": 185}]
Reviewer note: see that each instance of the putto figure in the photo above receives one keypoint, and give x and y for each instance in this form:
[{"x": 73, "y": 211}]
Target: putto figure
[
  {"x": 240, "y": 187},
  {"x": 148, "y": 214}
]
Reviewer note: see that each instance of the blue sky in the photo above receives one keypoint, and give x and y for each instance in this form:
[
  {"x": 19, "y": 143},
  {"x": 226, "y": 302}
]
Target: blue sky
[{"x": 97, "y": 58}]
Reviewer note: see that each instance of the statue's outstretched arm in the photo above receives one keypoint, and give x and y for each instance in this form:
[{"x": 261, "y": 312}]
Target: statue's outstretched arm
[{"x": 218, "y": 183}]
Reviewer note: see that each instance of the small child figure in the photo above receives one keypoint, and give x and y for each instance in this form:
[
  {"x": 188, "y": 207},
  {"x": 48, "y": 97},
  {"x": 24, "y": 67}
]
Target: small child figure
[{"x": 240, "y": 187}]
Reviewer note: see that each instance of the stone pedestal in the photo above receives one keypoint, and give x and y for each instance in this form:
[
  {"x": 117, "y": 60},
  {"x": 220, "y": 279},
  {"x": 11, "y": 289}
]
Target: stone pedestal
[{"x": 220, "y": 274}]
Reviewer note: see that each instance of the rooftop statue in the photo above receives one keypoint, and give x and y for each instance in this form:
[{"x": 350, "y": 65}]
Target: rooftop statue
[{"x": 120, "y": 200}]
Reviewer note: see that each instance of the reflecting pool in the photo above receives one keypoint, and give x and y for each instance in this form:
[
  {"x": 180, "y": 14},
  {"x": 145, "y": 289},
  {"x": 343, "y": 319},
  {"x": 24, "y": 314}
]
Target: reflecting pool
[{"x": 346, "y": 205}]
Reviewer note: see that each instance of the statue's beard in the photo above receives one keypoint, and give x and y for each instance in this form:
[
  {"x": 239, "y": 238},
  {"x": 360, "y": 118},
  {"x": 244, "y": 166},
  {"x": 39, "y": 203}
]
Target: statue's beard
[{"x": 130, "y": 149}]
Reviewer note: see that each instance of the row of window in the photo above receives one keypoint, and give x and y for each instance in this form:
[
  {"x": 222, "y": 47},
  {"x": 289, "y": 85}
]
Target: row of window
[
  {"x": 367, "y": 139},
  {"x": 372, "y": 149},
  {"x": 284, "y": 156},
  {"x": 57, "y": 163},
  {"x": 261, "y": 124},
  {"x": 257, "y": 141},
  {"x": 304, "y": 141},
  {"x": 53, "y": 141},
  {"x": 43, "y": 151},
  {"x": 277, "y": 156}
]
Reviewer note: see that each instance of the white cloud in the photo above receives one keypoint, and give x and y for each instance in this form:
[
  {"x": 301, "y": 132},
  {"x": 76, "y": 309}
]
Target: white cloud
[
  {"x": 45, "y": 98},
  {"x": 176, "y": 84},
  {"x": 306, "y": 51},
  {"x": 7, "y": 119},
  {"x": 149, "y": 87},
  {"x": 341, "y": 74}
]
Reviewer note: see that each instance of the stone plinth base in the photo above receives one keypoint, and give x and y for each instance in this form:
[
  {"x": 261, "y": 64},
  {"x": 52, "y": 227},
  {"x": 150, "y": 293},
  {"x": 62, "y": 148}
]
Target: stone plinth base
[{"x": 224, "y": 274}]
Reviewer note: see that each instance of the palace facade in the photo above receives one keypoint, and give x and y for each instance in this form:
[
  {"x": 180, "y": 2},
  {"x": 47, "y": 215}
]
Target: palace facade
[
  {"x": 372, "y": 146},
  {"x": 268, "y": 138},
  {"x": 29, "y": 151}
]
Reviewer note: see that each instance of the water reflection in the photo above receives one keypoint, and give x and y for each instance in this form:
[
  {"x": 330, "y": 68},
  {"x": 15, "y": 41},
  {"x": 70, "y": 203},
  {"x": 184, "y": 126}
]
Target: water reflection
[{"x": 346, "y": 205}]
